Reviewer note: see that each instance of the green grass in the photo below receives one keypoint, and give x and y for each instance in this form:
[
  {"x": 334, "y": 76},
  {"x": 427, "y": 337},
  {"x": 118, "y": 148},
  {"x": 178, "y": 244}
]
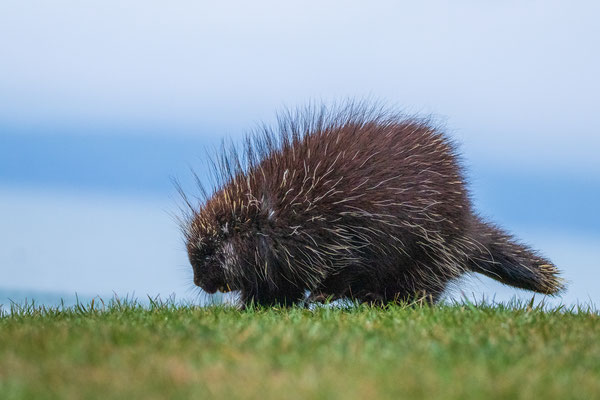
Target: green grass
[{"x": 124, "y": 350}]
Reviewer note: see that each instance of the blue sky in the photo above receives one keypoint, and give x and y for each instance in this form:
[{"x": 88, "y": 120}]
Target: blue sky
[{"x": 101, "y": 104}]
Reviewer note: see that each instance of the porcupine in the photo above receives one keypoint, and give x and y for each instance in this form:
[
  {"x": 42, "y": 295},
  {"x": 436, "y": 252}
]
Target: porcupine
[{"x": 351, "y": 202}]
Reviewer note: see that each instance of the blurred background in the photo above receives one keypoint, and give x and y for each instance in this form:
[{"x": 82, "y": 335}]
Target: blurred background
[{"x": 102, "y": 103}]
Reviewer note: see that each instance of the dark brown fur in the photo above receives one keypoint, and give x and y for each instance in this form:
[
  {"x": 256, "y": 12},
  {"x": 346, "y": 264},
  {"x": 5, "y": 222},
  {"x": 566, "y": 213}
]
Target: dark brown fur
[{"x": 351, "y": 203}]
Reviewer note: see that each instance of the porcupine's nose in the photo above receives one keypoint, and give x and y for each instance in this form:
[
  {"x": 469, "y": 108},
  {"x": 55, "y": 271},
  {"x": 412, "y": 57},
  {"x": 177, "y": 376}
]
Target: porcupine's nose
[{"x": 207, "y": 285}]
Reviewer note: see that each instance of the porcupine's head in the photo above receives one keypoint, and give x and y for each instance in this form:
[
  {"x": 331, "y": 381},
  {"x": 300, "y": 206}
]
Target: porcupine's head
[
  {"x": 216, "y": 242},
  {"x": 227, "y": 240},
  {"x": 209, "y": 252}
]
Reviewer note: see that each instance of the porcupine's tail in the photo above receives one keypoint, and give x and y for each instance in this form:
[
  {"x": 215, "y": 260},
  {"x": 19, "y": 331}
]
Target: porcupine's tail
[{"x": 499, "y": 256}]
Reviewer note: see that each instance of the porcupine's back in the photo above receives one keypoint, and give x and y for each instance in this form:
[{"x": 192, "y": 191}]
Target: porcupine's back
[{"x": 360, "y": 188}]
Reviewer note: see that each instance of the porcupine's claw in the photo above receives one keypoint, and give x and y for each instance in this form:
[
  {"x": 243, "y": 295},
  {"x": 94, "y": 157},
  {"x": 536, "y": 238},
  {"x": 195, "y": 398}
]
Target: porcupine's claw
[{"x": 225, "y": 289}]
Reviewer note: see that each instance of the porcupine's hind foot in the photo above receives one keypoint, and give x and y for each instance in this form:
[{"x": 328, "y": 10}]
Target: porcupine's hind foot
[
  {"x": 405, "y": 289},
  {"x": 393, "y": 289},
  {"x": 407, "y": 298},
  {"x": 396, "y": 294}
]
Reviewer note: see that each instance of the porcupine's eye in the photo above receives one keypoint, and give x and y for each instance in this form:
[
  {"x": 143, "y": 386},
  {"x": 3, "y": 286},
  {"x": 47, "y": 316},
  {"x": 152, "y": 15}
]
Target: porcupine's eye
[{"x": 200, "y": 255}]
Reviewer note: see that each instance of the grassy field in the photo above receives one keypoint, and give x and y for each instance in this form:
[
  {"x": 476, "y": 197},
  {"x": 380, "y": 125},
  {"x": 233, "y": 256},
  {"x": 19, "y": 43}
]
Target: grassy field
[{"x": 174, "y": 351}]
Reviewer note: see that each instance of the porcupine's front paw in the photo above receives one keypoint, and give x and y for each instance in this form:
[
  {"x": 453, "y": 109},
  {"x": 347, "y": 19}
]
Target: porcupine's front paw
[{"x": 319, "y": 297}]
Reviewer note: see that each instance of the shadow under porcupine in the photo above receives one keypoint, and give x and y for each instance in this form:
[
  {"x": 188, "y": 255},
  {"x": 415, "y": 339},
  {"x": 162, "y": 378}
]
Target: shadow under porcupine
[{"x": 353, "y": 202}]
